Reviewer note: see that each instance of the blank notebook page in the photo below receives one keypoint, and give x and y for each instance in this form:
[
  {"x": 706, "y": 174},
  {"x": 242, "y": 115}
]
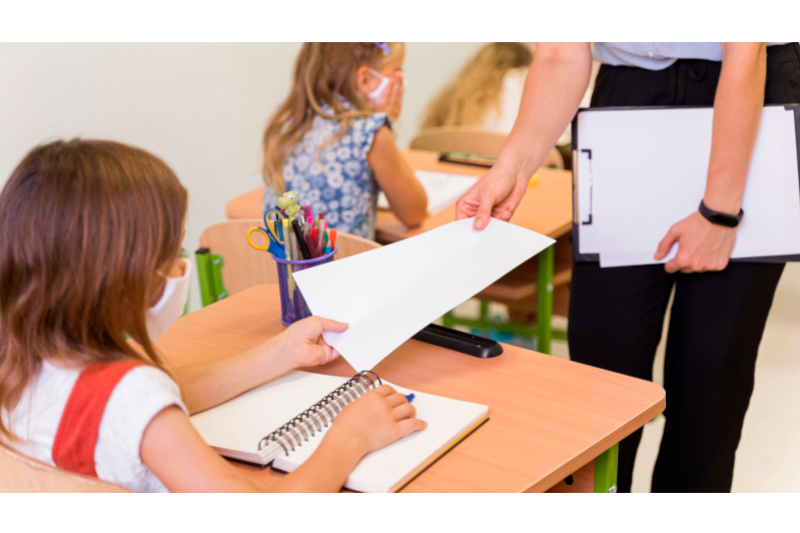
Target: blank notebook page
[{"x": 241, "y": 423}]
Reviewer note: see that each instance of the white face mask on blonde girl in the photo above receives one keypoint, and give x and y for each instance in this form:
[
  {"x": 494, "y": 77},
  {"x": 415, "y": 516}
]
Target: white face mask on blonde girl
[{"x": 384, "y": 86}]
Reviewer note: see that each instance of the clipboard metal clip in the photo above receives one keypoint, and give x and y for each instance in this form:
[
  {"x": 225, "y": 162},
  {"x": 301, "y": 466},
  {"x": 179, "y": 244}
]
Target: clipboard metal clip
[{"x": 585, "y": 193}]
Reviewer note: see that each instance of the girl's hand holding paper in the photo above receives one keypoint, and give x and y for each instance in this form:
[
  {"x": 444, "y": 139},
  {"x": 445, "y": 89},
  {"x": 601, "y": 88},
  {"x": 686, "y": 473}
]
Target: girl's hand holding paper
[{"x": 304, "y": 343}]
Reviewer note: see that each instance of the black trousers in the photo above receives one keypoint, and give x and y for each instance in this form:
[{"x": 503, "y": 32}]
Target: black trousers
[{"x": 717, "y": 319}]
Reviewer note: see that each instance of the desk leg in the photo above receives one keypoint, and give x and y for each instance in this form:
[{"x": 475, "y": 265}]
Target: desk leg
[
  {"x": 545, "y": 299},
  {"x": 605, "y": 470}
]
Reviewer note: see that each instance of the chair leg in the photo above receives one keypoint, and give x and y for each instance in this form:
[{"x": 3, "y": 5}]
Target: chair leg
[{"x": 209, "y": 275}]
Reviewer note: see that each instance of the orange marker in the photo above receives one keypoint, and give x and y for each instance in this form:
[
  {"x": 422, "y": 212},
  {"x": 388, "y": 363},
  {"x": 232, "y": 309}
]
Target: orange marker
[{"x": 333, "y": 238}]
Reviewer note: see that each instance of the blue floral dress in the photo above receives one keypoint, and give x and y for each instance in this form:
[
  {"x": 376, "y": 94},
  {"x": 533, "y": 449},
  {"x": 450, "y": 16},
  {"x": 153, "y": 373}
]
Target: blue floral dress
[{"x": 339, "y": 181}]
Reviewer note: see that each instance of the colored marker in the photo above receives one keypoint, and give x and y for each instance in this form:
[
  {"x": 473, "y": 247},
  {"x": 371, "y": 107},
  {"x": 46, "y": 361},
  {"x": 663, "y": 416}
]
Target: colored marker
[
  {"x": 312, "y": 248},
  {"x": 287, "y": 242},
  {"x": 323, "y": 225},
  {"x": 300, "y": 241},
  {"x": 289, "y": 257}
]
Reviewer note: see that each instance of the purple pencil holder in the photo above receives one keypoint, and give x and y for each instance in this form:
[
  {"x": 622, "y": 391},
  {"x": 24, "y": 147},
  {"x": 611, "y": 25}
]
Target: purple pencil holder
[{"x": 293, "y": 305}]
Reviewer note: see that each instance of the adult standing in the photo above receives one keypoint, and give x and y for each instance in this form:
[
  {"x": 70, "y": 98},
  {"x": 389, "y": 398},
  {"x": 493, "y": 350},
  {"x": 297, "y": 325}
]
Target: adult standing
[{"x": 616, "y": 314}]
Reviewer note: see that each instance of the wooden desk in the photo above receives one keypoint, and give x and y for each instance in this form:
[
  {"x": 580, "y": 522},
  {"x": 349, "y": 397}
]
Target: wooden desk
[{"x": 548, "y": 417}]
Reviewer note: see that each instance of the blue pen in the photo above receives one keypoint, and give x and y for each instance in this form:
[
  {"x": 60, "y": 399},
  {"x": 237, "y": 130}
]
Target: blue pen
[{"x": 410, "y": 397}]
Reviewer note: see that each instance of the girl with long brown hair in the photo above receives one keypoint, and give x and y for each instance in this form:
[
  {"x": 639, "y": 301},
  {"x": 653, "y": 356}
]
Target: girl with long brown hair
[
  {"x": 90, "y": 233},
  {"x": 330, "y": 141}
]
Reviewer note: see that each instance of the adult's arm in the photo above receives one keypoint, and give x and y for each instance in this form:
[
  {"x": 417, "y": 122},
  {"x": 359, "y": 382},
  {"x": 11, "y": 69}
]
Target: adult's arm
[
  {"x": 703, "y": 246},
  {"x": 556, "y": 83}
]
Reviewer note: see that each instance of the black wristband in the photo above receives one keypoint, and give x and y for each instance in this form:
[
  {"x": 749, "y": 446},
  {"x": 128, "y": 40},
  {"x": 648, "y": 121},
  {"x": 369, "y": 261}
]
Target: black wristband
[{"x": 720, "y": 219}]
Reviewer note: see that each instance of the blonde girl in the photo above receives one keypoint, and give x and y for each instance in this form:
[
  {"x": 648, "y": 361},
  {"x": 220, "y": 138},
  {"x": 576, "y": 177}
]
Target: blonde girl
[
  {"x": 90, "y": 233},
  {"x": 487, "y": 91},
  {"x": 330, "y": 142}
]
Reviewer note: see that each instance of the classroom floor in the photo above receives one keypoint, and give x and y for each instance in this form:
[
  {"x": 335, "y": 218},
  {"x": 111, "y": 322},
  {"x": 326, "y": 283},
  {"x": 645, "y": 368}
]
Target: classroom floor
[{"x": 768, "y": 458}]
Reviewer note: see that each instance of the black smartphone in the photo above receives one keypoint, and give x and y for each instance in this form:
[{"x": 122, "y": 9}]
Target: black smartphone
[{"x": 464, "y": 158}]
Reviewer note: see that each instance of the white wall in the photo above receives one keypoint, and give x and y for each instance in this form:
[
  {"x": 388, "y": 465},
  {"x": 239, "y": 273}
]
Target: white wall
[{"x": 201, "y": 107}]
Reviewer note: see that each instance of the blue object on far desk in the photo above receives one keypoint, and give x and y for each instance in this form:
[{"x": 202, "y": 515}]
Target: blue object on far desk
[{"x": 410, "y": 397}]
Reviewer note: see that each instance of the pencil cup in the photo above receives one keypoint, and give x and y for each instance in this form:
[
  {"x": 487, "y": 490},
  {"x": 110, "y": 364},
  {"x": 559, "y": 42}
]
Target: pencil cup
[{"x": 293, "y": 305}]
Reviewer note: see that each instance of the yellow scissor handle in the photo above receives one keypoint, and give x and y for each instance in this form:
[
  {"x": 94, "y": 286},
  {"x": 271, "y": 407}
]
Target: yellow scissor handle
[
  {"x": 269, "y": 226},
  {"x": 250, "y": 242}
]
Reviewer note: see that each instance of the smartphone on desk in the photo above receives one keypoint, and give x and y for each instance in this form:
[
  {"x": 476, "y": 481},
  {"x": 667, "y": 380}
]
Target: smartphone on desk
[{"x": 465, "y": 158}]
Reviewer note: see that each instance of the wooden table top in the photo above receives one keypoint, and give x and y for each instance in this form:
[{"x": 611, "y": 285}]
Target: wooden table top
[
  {"x": 548, "y": 417},
  {"x": 546, "y": 208}
]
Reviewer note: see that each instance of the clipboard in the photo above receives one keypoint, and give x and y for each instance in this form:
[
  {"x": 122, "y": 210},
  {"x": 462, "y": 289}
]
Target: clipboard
[{"x": 588, "y": 174}]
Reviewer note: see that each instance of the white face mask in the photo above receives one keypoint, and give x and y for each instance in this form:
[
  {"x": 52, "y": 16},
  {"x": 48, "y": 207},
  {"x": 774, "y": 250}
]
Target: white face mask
[
  {"x": 375, "y": 95},
  {"x": 170, "y": 307}
]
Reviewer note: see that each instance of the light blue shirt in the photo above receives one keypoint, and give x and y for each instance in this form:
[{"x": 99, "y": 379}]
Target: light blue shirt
[{"x": 656, "y": 56}]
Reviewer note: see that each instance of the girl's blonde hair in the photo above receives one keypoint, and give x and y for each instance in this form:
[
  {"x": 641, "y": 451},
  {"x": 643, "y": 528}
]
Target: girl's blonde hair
[
  {"x": 476, "y": 90},
  {"x": 84, "y": 225},
  {"x": 322, "y": 72}
]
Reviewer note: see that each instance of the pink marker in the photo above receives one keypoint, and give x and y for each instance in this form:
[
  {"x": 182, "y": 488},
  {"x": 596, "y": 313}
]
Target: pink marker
[{"x": 323, "y": 226}]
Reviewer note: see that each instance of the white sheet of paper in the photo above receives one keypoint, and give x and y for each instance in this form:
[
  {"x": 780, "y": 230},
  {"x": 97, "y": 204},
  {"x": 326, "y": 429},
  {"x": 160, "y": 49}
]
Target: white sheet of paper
[
  {"x": 641, "y": 191},
  {"x": 442, "y": 189},
  {"x": 389, "y": 294}
]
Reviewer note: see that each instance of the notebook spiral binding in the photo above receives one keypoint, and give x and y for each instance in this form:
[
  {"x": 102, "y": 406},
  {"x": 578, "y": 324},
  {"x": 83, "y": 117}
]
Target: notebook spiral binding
[{"x": 297, "y": 430}]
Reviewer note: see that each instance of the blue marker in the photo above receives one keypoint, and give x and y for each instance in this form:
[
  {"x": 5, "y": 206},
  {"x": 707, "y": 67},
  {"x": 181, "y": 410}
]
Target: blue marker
[{"x": 410, "y": 397}]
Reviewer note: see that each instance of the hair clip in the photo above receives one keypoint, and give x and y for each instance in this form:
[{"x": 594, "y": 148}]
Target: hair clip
[{"x": 384, "y": 47}]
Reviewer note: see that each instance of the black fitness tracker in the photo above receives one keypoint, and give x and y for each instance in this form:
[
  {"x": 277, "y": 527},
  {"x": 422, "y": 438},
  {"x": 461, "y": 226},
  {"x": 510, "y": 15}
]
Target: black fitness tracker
[{"x": 720, "y": 219}]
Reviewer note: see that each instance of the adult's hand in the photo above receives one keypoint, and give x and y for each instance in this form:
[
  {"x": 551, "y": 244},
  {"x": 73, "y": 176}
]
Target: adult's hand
[
  {"x": 556, "y": 82},
  {"x": 702, "y": 246},
  {"x": 497, "y": 194}
]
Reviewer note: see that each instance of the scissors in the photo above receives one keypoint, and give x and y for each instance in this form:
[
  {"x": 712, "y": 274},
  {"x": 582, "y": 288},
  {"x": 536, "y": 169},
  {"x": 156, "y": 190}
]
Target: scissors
[{"x": 275, "y": 245}]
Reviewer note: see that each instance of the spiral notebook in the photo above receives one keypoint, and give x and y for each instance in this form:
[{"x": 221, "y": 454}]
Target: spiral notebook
[{"x": 283, "y": 422}]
